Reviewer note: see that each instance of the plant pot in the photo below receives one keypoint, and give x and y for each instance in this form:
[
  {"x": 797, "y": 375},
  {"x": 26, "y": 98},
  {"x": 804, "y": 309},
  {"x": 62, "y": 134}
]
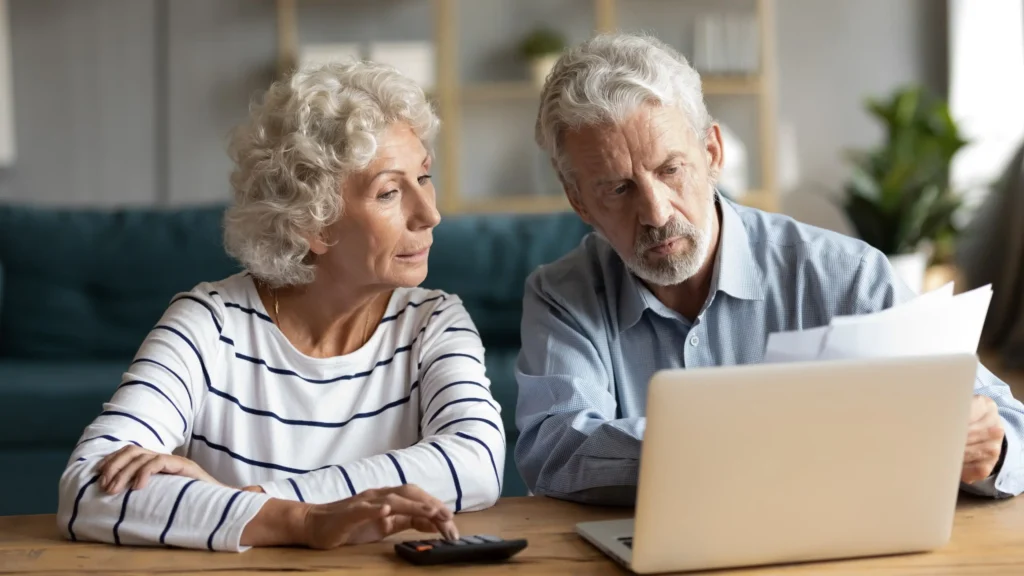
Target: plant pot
[
  {"x": 541, "y": 66},
  {"x": 910, "y": 268}
]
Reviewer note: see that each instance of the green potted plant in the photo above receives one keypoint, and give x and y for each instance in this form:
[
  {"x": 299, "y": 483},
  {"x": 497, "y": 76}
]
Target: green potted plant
[
  {"x": 898, "y": 197},
  {"x": 541, "y": 49}
]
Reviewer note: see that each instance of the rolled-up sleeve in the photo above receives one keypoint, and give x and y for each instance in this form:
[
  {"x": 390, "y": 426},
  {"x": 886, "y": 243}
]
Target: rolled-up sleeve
[
  {"x": 1008, "y": 480},
  {"x": 879, "y": 288},
  {"x": 571, "y": 444}
]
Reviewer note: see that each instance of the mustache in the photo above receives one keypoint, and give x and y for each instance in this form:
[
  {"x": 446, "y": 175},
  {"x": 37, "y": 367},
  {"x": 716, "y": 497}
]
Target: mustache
[{"x": 650, "y": 236}]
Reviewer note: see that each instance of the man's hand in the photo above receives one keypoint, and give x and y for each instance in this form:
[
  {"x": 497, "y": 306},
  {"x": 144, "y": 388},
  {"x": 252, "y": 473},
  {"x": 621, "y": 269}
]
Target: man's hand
[
  {"x": 984, "y": 440},
  {"x": 132, "y": 466},
  {"x": 366, "y": 517}
]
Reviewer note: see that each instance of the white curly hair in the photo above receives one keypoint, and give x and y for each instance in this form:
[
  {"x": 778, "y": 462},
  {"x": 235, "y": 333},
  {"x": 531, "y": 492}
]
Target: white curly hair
[
  {"x": 607, "y": 78},
  {"x": 302, "y": 139}
]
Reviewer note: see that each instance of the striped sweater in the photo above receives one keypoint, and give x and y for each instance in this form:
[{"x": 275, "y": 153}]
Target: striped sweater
[{"x": 217, "y": 382}]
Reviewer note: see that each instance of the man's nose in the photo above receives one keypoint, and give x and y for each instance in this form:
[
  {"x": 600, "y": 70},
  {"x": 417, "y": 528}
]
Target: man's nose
[{"x": 655, "y": 208}]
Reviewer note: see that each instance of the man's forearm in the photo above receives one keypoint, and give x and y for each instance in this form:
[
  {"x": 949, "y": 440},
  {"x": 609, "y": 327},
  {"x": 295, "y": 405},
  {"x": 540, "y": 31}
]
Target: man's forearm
[{"x": 559, "y": 458}]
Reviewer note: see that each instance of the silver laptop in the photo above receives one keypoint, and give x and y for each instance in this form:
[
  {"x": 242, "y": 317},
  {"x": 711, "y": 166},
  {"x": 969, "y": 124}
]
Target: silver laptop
[{"x": 780, "y": 463}]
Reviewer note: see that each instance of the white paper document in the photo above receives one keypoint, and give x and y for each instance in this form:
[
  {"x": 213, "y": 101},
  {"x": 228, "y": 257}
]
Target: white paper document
[{"x": 934, "y": 323}]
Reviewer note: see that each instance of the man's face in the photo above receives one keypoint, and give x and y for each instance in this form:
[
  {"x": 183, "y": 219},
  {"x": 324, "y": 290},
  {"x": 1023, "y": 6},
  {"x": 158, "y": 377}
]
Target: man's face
[{"x": 647, "y": 185}]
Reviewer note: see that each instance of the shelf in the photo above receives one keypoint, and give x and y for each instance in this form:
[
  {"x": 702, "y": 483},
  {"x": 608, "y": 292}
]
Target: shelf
[
  {"x": 459, "y": 100},
  {"x": 525, "y": 90},
  {"x": 760, "y": 199},
  {"x": 515, "y": 205},
  {"x": 731, "y": 84},
  {"x": 500, "y": 91}
]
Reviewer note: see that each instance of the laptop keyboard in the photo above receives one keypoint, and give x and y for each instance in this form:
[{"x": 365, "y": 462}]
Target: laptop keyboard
[{"x": 626, "y": 541}]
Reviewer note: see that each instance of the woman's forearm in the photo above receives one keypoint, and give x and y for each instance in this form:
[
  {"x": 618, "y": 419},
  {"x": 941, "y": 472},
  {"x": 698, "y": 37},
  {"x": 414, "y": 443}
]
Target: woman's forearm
[
  {"x": 170, "y": 510},
  {"x": 278, "y": 523}
]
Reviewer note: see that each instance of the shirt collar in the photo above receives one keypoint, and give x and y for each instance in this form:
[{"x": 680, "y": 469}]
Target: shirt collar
[{"x": 736, "y": 273}]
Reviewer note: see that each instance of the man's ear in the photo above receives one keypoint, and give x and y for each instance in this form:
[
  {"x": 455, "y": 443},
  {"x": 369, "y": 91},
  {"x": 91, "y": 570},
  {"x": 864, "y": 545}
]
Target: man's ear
[{"x": 715, "y": 151}]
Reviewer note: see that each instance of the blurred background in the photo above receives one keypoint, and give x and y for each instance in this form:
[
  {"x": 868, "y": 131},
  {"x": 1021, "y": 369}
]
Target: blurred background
[
  {"x": 898, "y": 121},
  {"x": 129, "y": 102},
  {"x": 891, "y": 120}
]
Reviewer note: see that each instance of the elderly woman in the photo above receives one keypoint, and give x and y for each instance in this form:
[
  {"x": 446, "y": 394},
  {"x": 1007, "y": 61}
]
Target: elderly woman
[{"x": 319, "y": 398}]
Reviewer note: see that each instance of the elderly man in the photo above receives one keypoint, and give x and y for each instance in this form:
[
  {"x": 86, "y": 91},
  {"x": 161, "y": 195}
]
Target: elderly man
[{"x": 676, "y": 277}]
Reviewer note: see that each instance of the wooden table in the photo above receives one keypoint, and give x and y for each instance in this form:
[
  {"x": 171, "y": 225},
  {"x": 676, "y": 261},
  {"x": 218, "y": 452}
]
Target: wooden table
[{"x": 988, "y": 538}]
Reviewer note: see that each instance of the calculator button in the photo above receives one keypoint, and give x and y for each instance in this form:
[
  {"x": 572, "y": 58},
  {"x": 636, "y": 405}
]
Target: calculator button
[
  {"x": 474, "y": 540},
  {"x": 436, "y": 542},
  {"x": 455, "y": 542},
  {"x": 488, "y": 538},
  {"x": 423, "y": 547}
]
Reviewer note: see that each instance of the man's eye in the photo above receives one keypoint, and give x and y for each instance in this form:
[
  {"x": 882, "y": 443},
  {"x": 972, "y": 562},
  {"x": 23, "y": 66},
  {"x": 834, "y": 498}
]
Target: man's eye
[
  {"x": 621, "y": 189},
  {"x": 671, "y": 170}
]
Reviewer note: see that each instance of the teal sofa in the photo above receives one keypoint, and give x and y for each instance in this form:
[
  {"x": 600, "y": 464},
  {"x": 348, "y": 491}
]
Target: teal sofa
[{"x": 80, "y": 289}]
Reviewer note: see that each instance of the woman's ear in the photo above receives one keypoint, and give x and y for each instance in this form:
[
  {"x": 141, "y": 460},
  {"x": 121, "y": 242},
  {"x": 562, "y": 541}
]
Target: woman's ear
[{"x": 318, "y": 243}]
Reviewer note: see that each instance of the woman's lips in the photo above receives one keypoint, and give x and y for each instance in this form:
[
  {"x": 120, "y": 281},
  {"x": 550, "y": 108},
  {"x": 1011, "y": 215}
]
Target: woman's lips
[{"x": 415, "y": 256}]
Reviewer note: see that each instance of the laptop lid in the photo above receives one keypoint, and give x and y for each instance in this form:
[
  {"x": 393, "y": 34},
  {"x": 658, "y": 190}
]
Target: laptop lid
[{"x": 776, "y": 463}]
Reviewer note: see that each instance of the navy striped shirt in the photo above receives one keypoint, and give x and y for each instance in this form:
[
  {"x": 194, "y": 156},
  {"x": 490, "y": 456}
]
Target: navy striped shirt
[{"x": 218, "y": 382}]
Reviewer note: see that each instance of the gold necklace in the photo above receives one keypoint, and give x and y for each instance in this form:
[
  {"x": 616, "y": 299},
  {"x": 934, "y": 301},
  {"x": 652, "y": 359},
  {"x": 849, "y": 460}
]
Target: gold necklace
[{"x": 366, "y": 323}]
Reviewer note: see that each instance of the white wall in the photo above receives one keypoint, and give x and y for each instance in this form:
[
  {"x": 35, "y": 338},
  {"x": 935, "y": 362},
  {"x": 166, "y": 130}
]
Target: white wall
[
  {"x": 83, "y": 102},
  {"x": 832, "y": 55}
]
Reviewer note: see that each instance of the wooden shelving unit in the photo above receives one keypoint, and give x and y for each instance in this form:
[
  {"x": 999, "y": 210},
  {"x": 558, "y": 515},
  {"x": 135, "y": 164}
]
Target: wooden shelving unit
[{"x": 452, "y": 94}]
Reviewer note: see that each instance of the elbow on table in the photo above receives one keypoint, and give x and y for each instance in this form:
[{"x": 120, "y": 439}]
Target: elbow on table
[
  {"x": 68, "y": 502},
  {"x": 485, "y": 493}
]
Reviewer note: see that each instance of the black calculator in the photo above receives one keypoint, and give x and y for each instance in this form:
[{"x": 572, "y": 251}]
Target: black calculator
[{"x": 468, "y": 549}]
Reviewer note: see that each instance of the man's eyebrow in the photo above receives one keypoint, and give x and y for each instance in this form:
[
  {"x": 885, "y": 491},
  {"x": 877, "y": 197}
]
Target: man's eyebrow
[
  {"x": 606, "y": 181},
  {"x": 674, "y": 155}
]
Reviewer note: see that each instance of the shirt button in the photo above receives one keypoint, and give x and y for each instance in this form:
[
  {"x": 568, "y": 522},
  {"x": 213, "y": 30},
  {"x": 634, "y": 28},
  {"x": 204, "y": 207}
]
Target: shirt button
[{"x": 694, "y": 341}]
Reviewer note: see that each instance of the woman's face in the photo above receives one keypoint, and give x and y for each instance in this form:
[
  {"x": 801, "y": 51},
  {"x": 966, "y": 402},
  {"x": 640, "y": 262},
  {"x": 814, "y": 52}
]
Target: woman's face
[{"x": 384, "y": 235}]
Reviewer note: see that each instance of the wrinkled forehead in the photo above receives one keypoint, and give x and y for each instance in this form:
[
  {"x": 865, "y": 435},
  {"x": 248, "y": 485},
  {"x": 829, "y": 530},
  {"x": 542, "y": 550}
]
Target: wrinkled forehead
[{"x": 643, "y": 139}]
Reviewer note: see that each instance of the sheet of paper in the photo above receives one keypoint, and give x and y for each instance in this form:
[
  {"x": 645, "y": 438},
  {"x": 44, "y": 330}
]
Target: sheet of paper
[
  {"x": 934, "y": 323},
  {"x": 929, "y": 301},
  {"x": 938, "y": 327},
  {"x": 795, "y": 346}
]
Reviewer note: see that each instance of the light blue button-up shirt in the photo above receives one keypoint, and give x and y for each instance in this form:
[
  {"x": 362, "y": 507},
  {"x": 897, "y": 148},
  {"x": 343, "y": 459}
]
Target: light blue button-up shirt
[{"x": 593, "y": 335}]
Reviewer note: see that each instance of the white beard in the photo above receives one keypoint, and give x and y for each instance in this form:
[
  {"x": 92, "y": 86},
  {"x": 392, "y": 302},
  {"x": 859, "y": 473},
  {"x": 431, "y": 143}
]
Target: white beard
[{"x": 676, "y": 268}]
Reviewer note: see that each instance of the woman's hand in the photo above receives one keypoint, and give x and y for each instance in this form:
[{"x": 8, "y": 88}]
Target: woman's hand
[
  {"x": 366, "y": 517},
  {"x": 375, "y": 514},
  {"x": 132, "y": 466}
]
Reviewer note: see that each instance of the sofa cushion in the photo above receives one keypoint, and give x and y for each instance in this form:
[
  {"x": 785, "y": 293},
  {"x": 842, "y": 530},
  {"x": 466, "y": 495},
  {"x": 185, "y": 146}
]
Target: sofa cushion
[
  {"x": 49, "y": 405},
  {"x": 501, "y": 372},
  {"x": 485, "y": 261},
  {"x": 31, "y": 485},
  {"x": 1, "y": 287},
  {"x": 89, "y": 284}
]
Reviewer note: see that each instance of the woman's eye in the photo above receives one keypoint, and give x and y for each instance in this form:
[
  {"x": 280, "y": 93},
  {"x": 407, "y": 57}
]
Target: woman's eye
[
  {"x": 384, "y": 196},
  {"x": 671, "y": 170},
  {"x": 423, "y": 179}
]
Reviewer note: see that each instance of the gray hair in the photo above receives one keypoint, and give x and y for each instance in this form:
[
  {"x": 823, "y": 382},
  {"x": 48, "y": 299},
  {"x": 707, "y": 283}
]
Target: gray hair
[
  {"x": 607, "y": 78},
  {"x": 308, "y": 133}
]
